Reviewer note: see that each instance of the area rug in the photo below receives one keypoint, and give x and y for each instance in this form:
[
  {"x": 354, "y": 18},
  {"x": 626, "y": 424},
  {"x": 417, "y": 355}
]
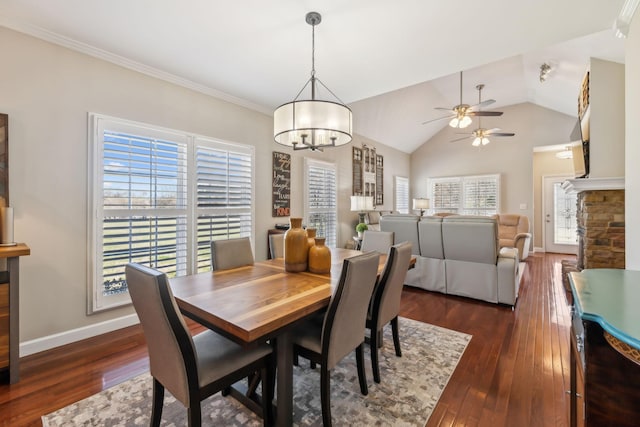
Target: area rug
[{"x": 411, "y": 386}]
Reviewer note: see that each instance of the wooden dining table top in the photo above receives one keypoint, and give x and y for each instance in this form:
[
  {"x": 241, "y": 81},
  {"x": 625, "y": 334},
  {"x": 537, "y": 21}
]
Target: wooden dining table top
[{"x": 254, "y": 302}]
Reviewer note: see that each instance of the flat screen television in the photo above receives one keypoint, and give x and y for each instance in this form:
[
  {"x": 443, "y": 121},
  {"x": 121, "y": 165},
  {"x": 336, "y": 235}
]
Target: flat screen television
[{"x": 580, "y": 150}]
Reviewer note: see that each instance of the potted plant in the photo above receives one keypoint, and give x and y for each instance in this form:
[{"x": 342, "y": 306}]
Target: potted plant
[{"x": 360, "y": 228}]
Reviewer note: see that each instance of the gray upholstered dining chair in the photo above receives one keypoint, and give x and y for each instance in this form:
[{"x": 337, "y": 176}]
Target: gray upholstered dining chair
[
  {"x": 385, "y": 303},
  {"x": 231, "y": 253},
  {"x": 191, "y": 368},
  {"x": 379, "y": 241},
  {"x": 327, "y": 340},
  {"x": 276, "y": 245}
]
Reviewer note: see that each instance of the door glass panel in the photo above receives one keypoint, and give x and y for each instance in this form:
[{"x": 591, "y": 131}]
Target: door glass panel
[{"x": 564, "y": 232}]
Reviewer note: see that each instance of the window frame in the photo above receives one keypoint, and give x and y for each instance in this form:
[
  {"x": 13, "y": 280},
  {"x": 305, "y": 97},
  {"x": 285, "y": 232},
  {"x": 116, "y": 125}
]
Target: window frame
[{"x": 97, "y": 124}]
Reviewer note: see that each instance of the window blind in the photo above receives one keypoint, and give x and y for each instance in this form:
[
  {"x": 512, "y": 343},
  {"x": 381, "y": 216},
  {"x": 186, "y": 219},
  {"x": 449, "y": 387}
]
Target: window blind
[
  {"x": 468, "y": 195},
  {"x": 402, "y": 194},
  {"x": 321, "y": 200}
]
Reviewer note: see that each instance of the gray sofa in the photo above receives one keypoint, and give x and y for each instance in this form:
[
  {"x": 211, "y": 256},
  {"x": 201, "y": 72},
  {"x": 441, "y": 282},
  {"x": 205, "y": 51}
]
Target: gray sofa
[{"x": 458, "y": 255}]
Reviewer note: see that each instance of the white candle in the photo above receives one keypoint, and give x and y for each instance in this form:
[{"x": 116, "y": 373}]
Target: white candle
[{"x": 6, "y": 225}]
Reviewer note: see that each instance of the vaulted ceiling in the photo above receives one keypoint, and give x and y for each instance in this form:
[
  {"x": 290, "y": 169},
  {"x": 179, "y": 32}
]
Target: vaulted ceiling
[{"x": 391, "y": 62}]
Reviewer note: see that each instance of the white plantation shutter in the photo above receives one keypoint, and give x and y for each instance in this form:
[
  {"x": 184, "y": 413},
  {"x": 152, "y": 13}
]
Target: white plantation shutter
[
  {"x": 154, "y": 192},
  {"x": 402, "y": 194},
  {"x": 224, "y": 195},
  {"x": 480, "y": 195},
  {"x": 467, "y": 195},
  {"x": 445, "y": 195},
  {"x": 321, "y": 210}
]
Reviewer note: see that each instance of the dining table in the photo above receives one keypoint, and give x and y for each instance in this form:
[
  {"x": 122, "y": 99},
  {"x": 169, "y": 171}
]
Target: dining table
[{"x": 260, "y": 302}]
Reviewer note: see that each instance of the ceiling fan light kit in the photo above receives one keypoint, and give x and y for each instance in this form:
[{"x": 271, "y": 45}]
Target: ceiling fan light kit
[{"x": 313, "y": 124}]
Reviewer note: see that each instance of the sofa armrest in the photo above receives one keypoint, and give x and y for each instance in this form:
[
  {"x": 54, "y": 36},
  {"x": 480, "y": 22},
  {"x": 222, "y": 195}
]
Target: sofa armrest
[
  {"x": 521, "y": 242},
  {"x": 508, "y": 276},
  {"x": 509, "y": 253}
]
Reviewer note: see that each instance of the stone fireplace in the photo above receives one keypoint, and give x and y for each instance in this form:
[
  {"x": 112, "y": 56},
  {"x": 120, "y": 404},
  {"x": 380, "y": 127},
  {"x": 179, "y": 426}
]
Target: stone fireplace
[{"x": 601, "y": 226}]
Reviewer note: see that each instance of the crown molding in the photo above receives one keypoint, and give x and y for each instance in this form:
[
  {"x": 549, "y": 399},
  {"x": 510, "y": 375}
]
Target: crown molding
[
  {"x": 579, "y": 185},
  {"x": 86, "y": 49},
  {"x": 623, "y": 21}
]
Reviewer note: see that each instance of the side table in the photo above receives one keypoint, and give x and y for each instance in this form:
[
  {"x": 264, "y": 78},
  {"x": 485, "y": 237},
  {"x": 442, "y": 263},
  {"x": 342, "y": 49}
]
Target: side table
[{"x": 9, "y": 310}]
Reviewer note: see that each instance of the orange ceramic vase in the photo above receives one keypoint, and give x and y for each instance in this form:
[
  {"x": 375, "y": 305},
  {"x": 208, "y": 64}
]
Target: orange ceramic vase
[
  {"x": 295, "y": 247},
  {"x": 319, "y": 257},
  {"x": 311, "y": 237}
]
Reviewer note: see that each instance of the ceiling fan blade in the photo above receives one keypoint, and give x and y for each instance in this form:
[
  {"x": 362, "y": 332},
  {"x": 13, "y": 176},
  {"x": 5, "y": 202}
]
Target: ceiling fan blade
[
  {"x": 435, "y": 120},
  {"x": 485, "y": 113},
  {"x": 483, "y": 104},
  {"x": 460, "y": 139},
  {"x": 443, "y": 108},
  {"x": 502, "y": 134}
]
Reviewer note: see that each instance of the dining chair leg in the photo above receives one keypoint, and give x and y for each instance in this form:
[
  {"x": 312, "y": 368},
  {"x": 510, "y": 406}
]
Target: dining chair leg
[
  {"x": 375, "y": 366},
  {"x": 156, "y": 406},
  {"x": 396, "y": 336},
  {"x": 194, "y": 417},
  {"x": 325, "y": 399},
  {"x": 362, "y": 376}
]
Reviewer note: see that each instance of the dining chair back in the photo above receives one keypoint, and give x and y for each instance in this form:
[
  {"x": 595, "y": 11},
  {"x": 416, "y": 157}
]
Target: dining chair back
[
  {"x": 276, "y": 246},
  {"x": 231, "y": 253},
  {"x": 328, "y": 340},
  {"x": 191, "y": 368},
  {"x": 385, "y": 304},
  {"x": 379, "y": 241}
]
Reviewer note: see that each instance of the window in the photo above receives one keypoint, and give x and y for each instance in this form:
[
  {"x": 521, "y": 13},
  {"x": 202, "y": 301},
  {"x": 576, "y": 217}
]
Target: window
[
  {"x": 466, "y": 195},
  {"x": 158, "y": 197},
  {"x": 321, "y": 209},
  {"x": 402, "y": 194}
]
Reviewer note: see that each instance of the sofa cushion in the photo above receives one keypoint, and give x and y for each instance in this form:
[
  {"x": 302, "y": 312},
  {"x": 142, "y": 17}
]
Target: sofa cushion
[
  {"x": 472, "y": 239},
  {"x": 430, "y": 236}
]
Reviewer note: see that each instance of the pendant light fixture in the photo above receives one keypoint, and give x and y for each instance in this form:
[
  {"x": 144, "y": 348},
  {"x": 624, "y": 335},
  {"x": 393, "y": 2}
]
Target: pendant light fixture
[{"x": 312, "y": 124}]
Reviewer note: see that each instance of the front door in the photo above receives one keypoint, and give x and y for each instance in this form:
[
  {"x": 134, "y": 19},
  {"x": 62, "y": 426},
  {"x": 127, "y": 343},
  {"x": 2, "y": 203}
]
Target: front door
[{"x": 559, "y": 210}]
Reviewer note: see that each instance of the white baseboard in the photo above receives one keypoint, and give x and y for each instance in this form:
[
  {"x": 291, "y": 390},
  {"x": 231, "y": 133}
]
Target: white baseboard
[
  {"x": 541, "y": 250},
  {"x": 67, "y": 337}
]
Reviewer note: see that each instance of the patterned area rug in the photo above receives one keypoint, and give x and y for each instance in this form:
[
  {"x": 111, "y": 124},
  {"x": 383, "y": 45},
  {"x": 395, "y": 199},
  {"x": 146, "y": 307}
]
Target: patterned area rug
[{"x": 411, "y": 386}]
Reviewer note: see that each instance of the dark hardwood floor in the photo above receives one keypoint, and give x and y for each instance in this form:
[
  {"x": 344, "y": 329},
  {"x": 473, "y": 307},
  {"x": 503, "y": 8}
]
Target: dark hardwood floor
[{"x": 514, "y": 372}]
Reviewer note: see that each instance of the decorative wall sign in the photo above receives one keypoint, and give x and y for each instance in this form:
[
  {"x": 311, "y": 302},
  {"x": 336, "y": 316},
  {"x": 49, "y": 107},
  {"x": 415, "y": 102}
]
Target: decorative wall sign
[
  {"x": 281, "y": 184},
  {"x": 368, "y": 173}
]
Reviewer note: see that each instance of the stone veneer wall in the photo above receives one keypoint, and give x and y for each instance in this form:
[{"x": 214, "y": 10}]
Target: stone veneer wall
[{"x": 601, "y": 223}]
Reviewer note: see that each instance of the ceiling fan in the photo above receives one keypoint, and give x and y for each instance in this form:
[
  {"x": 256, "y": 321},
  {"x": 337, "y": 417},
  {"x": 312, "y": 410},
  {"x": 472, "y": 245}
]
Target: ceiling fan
[
  {"x": 461, "y": 114},
  {"x": 481, "y": 135}
]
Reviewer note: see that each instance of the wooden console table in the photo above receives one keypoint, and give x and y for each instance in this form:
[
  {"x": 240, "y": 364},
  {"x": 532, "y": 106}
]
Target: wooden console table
[
  {"x": 605, "y": 347},
  {"x": 9, "y": 314}
]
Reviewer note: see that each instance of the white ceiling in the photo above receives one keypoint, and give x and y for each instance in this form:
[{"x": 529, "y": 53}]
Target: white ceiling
[{"x": 391, "y": 62}]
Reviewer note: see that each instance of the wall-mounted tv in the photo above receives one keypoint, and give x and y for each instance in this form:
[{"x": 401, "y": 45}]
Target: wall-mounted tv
[{"x": 580, "y": 150}]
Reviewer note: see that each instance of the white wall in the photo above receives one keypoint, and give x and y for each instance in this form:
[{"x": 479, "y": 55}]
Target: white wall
[
  {"x": 512, "y": 157},
  {"x": 606, "y": 99},
  {"x": 47, "y": 91},
  {"x": 632, "y": 146}
]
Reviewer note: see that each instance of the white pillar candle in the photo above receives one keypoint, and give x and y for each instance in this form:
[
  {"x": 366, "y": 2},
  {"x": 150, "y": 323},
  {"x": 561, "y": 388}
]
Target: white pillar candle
[{"x": 6, "y": 225}]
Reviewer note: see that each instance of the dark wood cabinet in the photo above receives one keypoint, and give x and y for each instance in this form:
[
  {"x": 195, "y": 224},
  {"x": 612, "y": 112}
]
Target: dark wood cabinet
[{"x": 605, "y": 348}]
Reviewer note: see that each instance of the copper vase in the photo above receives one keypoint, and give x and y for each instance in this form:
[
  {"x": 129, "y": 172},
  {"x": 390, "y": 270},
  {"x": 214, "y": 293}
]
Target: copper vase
[{"x": 319, "y": 257}]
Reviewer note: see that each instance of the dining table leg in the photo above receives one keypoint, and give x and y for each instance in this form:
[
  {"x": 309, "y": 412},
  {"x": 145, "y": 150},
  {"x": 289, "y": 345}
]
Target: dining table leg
[{"x": 284, "y": 353}]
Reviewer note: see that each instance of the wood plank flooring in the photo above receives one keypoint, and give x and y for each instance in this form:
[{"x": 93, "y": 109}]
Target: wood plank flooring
[{"x": 514, "y": 372}]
